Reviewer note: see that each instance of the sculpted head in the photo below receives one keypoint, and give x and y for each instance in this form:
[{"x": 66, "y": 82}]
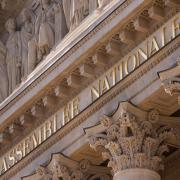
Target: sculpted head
[{"x": 10, "y": 25}]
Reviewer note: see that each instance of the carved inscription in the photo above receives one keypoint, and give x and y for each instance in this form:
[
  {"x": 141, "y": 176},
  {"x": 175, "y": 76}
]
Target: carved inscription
[
  {"x": 138, "y": 56},
  {"x": 40, "y": 135},
  {"x": 117, "y": 73}
]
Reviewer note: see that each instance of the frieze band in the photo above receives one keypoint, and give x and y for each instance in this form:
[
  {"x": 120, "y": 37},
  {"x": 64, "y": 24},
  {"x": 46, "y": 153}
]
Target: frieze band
[
  {"x": 156, "y": 41},
  {"x": 29, "y": 43}
]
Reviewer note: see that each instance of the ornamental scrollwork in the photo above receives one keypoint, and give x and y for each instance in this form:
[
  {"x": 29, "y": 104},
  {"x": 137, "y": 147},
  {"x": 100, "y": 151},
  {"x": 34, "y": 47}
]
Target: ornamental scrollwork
[{"x": 130, "y": 142}]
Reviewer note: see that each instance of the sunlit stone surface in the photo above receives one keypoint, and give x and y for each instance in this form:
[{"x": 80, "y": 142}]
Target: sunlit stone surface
[{"x": 89, "y": 90}]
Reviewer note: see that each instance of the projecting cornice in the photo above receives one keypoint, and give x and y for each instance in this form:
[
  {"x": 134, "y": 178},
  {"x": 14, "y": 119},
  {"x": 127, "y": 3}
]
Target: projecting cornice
[
  {"x": 9, "y": 8},
  {"x": 171, "y": 80}
]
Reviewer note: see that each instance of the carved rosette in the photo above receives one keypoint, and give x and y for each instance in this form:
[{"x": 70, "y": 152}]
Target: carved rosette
[{"x": 129, "y": 142}]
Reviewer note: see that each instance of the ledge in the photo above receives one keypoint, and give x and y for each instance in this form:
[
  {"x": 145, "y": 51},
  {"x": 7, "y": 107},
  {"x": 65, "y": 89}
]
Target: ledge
[
  {"x": 52, "y": 61},
  {"x": 70, "y": 40}
]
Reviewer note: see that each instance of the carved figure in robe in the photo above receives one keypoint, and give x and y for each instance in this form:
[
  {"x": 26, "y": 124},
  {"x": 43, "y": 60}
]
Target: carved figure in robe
[
  {"x": 27, "y": 31},
  {"x": 103, "y": 3},
  {"x": 67, "y": 9},
  {"x": 13, "y": 57},
  {"x": 3, "y": 73},
  {"x": 75, "y": 11},
  {"x": 44, "y": 28},
  {"x": 93, "y": 5}
]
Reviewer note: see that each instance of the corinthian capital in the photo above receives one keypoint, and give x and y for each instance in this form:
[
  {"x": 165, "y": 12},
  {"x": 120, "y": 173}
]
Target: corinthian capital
[
  {"x": 132, "y": 138},
  {"x": 65, "y": 168}
]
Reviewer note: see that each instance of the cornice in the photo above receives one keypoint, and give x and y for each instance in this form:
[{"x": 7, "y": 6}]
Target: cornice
[
  {"x": 64, "y": 57},
  {"x": 95, "y": 106},
  {"x": 60, "y": 60},
  {"x": 108, "y": 20}
]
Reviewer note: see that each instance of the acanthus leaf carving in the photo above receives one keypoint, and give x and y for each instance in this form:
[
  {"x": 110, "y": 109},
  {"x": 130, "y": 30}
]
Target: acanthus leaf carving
[
  {"x": 42, "y": 172},
  {"x": 62, "y": 167},
  {"x": 130, "y": 142}
]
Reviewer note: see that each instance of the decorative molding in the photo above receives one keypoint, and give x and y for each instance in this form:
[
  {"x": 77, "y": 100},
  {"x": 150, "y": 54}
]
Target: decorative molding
[
  {"x": 122, "y": 85},
  {"x": 132, "y": 138},
  {"x": 75, "y": 84},
  {"x": 128, "y": 82}
]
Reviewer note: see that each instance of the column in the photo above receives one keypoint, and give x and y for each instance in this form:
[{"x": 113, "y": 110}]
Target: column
[{"x": 133, "y": 142}]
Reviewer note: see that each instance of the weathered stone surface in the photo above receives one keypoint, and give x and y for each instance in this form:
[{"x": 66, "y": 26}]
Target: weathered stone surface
[
  {"x": 34, "y": 32},
  {"x": 61, "y": 167},
  {"x": 131, "y": 140}
]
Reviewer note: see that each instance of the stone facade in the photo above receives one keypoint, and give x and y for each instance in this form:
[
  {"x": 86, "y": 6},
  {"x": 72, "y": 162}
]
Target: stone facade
[
  {"x": 29, "y": 43},
  {"x": 90, "y": 90},
  {"x": 132, "y": 140}
]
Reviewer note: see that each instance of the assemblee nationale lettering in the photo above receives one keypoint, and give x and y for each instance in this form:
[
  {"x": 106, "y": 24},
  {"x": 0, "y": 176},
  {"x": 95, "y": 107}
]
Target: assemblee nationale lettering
[{"x": 126, "y": 65}]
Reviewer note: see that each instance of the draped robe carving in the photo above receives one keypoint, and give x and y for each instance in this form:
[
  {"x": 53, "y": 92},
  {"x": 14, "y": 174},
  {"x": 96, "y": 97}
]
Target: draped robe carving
[
  {"x": 67, "y": 9},
  {"x": 27, "y": 31},
  {"x": 44, "y": 28},
  {"x": 3, "y": 73},
  {"x": 93, "y": 5},
  {"x": 13, "y": 57},
  {"x": 103, "y": 3},
  {"x": 75, "y": 11}
]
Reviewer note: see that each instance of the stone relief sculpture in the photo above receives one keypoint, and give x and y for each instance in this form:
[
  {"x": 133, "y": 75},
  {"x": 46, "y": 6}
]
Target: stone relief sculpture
[
  {"x": 103, "y": 3},
  {"x": 93, "y": 5},
  {"x": 61, "y": 28},
  {"x": 64, "y": 168},
  {"x": 132, "y": 140},
  {"x": 13, "y": 57},
  {"x": 75, "y": 11},
  {"x": 27, "y": 31},
  {"x": 44, "y": 35},
  {"x": 67, "y": 9},
  {"x": 3, "y": 73},
  {"x": 37, "y": 35},
  {"x": 43, "y": 174},
  {"x": 44, "y": 28}
]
